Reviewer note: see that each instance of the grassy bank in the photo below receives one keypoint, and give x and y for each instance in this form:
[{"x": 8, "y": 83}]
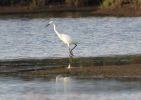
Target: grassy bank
[
  {"x": 77, "y": 61},
  {"x": 132, "y": 71},
  {"x": 92, "y": 7},
  {"x": 69, "y": 12},
  {"x": 84, "y": 67}
]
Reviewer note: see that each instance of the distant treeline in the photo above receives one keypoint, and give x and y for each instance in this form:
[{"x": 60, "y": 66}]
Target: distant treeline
[
  {"x": 69, "y": 3},
  {"x": 50, "y": 2}
]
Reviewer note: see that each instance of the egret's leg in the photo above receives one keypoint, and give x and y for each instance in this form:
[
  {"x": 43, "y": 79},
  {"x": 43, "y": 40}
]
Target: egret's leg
[
  {"x": 70, "y": 59},
  {"x": 71, "y": 51}
]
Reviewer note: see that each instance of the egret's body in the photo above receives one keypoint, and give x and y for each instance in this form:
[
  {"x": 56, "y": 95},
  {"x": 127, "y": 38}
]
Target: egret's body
[{"x": 65, "y": 38}]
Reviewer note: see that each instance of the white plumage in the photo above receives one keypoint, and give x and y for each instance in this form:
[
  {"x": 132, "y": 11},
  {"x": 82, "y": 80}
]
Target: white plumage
[{"x": 65, "y": 38}]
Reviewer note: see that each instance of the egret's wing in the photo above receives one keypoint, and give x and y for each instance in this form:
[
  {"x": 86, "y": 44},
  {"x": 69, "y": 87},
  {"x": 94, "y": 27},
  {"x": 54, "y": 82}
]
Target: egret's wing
[{"x": 67, "y": 39}]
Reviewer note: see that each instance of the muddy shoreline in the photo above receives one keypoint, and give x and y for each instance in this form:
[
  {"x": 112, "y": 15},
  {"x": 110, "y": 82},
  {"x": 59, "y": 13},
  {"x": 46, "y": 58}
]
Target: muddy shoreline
[
  {"x": 71, "y": 12},
  {"x": 112, "y": 67},
  {"x": 132, "y": 72}
]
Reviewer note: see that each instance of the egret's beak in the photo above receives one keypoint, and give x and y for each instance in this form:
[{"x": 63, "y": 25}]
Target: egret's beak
[{"x": 47, "y": 25}]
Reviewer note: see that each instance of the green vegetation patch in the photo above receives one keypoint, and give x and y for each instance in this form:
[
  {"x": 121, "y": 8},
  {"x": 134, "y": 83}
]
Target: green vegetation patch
[{"x": 108, "y": 3}]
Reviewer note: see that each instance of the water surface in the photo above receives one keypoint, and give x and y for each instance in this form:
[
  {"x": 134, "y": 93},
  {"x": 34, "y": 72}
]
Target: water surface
[
  {"x": 97, "y": 36},
  {"x": 66, "y": 88}
]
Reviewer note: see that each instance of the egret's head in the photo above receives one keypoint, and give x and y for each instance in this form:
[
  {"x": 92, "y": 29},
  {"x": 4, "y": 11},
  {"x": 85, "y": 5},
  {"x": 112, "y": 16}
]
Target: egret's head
[{"x": 49, "y": 23}]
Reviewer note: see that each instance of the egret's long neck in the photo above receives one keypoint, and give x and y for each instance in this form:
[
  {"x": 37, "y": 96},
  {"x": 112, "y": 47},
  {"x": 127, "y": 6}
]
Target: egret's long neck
[{"x": 58, "y": 34}]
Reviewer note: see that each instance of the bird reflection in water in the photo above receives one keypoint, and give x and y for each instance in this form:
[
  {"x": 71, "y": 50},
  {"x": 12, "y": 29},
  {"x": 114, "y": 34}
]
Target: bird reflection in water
[{"x": 63, "y": 84}]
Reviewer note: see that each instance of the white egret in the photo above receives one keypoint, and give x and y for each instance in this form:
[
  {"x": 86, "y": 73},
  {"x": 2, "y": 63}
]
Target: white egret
[{"x": 65, "y": 38}]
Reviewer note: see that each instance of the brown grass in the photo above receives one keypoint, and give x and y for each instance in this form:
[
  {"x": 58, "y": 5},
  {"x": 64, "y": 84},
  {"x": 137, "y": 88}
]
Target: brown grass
[{"x": 125, "y": 10}]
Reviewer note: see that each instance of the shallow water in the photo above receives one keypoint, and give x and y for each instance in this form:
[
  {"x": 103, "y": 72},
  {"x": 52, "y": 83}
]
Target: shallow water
[
  {"x": 66, "y": 88},
  {"x": 97, "y": 36}
]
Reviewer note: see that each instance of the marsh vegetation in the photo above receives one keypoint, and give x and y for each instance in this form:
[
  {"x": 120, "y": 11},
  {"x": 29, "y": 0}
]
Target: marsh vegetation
[{"x": 98, "y": 7}]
